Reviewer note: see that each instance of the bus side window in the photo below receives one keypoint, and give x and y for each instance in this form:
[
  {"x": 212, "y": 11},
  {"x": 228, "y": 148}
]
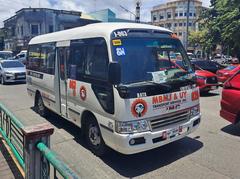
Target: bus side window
[
  {"x": 48, "y": 58},
  {"x": 33, "y": 62},
  {"x": 76, "y": 60},
  {"x": 97, "y": 59}
]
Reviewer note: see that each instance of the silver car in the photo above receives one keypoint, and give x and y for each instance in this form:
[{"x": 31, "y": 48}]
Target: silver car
[
  {"x": 12, "y": 71},
  {"x": 6, "y": 55}
]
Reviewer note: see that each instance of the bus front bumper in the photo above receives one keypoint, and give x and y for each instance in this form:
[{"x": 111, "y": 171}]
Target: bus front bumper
[{"x": 139, "y": 142}]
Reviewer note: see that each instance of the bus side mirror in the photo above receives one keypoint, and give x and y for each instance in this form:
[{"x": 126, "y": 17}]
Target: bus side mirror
[{"x": 114, "y": 73}]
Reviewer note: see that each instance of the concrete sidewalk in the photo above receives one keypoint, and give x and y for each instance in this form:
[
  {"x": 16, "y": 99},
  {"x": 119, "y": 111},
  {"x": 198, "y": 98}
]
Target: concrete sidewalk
[{"x": 8, "y": 167}]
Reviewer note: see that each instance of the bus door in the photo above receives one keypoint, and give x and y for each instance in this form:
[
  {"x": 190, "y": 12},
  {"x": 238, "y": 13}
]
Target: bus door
[{"x": 61, "y": 79}]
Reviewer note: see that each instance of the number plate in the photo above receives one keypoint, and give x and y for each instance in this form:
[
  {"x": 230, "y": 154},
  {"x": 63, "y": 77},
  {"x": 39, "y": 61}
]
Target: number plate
[
  {"x": 21, "y": 76},
  {"x": 173, "y": 132}
]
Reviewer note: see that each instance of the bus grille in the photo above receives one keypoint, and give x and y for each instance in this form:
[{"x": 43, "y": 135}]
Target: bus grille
[{"x": 169, "y": 119}]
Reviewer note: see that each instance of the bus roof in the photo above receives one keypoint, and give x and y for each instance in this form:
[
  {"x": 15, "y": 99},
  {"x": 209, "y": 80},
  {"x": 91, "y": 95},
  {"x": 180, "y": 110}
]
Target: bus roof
[{"x": 91, "y": 30}]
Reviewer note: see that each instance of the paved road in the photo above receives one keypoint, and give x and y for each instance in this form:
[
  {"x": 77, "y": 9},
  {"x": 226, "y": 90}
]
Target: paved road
[{"x": 213, "y": 151}]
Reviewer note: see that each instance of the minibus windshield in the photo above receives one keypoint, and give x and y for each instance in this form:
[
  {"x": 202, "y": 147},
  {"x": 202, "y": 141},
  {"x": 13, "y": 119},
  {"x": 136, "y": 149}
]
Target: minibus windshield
[{"x": 145, "y": 59}]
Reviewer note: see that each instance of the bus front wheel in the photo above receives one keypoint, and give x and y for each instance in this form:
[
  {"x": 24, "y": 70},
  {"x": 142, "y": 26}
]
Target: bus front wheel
[{"x": 94, "y": 138}]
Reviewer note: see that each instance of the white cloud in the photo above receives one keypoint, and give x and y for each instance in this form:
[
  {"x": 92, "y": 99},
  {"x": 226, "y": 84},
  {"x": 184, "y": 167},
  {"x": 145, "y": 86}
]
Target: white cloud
[{"x": 9, "y": 7}]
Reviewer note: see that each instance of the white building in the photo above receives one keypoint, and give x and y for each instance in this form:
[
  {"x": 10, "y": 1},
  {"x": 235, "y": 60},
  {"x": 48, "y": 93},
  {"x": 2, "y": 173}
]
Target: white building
[{"x": 173, "y": 15}]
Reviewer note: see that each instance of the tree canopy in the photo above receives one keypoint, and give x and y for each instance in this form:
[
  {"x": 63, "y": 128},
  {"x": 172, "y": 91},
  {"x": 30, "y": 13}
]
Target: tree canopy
[{"x": 221, "y": 26}]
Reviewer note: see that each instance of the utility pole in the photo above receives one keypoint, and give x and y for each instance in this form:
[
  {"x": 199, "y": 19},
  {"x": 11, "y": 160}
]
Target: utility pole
[
  {"x": 137, "y": 17},
  {"x": 188, "y": 9}
]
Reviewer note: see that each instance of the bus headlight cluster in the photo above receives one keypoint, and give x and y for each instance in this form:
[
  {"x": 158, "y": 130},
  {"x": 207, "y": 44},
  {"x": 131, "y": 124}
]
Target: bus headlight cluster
[
  {"x": 194, "y": 111},
  {"x": 132, "y": 127}
]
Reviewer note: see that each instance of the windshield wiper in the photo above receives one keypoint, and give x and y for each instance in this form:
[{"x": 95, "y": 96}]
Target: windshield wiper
[{"x": 160, "y": 84}]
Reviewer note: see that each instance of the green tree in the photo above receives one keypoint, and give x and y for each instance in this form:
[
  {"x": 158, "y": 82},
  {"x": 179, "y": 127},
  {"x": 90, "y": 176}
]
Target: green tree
[{"x": 222, "y": 22}]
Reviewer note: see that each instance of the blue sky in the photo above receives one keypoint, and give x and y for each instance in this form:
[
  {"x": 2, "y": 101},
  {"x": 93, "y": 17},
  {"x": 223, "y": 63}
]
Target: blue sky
[{"x": 9, "y": 7}]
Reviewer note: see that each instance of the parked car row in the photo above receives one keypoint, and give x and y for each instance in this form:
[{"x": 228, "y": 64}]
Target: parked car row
[
  {"x": 8, "y": 55},
  {"x": 206, "y": 80},
  {"x": 227, "y": 72}
]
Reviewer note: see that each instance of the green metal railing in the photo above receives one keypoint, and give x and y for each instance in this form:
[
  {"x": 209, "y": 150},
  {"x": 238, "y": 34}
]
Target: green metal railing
[
  {"x": 60, "y": 166},
  {"x": 12, "y": 131},
  {"x": 10, "y": 128}
]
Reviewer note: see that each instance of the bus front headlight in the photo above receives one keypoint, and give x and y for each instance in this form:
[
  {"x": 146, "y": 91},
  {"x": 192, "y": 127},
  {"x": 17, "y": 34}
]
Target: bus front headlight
[
  {"x": 132, "y": 126},
  {"x": 194, "y": 111}
]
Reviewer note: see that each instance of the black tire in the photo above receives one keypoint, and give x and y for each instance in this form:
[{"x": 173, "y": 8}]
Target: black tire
[
  {"x": 3, "y": 81},
  {"x": 40, "y": 107},
  {"x": 94, "y": 141}
]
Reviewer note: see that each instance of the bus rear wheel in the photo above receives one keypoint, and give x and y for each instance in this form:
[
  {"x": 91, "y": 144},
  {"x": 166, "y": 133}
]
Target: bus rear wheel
[
  {"x": 40, "y": 107},
  {"x": 94, "y": 138}
]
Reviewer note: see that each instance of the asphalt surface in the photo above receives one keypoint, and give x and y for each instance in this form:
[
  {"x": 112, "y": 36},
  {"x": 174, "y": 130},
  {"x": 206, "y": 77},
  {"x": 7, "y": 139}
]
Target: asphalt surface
[{"x": 213, "y": 151}]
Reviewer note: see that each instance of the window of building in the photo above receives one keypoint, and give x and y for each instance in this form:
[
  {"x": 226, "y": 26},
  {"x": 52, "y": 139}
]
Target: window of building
[
  {"x": 190, "y": 24},
  {"x": 21, "y": 30},
  {"x": 50, "y": 28},
  {"x": 180, "y": 14},
  {"x": 34, "y": 29},
  {"x": 185, "y": 14},
  {"x": 154, "y": 18},
  {"x": 169, "y": 15},
  {"x": 18, "y": 30},
  {"x": 176, "y": 14},
  {"x": 190, "y": 14},
  {"x": 194, "y": 14},
  {"x": 180, "y": 24},
  {"x": 184, "y": 24},
  {"x": 169, "y": 25},
  {"x": 179, "y": 33},
  {"x": 175, "y": 24},
  {"x": 161, "y": 16}
]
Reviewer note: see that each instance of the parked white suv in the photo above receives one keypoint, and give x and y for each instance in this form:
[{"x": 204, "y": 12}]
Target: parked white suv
[{"x": 22, "y": 56}]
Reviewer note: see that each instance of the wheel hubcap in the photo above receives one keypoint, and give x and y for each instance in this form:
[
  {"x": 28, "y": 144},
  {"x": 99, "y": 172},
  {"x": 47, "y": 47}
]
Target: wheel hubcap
[{"x": 94, "y": 135}]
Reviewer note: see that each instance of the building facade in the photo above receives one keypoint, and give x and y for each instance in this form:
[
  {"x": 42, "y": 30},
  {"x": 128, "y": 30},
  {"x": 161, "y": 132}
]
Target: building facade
[
  {"x": 30, "y": 22},
  {"x": 173, "y": 16},
  {"x": 107, "y": 15}
]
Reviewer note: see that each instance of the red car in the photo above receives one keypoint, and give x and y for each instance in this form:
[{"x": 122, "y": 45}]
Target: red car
[
  {"x": 227, "y": 72},
  {"x": 230, "y": 103},
  {"x": 206, "y": 80}
]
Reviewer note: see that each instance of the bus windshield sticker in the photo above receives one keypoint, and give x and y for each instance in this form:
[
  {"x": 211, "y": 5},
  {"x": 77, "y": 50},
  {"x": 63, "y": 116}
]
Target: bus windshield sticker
[
  {"x": 73, "y": 86},
  {"x": 83, "y": 93},
  {"x": 117, "y": 42},
  {"x": 122, "y": 33},
  {"x": 159, "y": 77},
  {"x": 120, "y": 51},
  {"x": 139, "y": 108}
]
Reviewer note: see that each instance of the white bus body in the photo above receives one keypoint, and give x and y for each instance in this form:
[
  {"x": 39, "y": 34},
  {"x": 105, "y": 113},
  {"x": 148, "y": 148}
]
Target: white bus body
[{"x": 68, "y": 72}]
